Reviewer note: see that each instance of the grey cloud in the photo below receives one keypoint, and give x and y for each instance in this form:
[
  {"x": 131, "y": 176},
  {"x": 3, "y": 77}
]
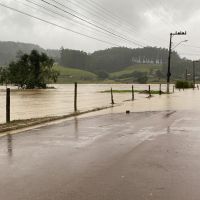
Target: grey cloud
[{"x": 151, "y": 22}]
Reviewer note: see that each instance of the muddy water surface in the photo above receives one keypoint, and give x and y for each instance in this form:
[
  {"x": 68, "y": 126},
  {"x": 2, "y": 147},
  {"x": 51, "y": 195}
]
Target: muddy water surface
[{"x": 27, "y": 104}]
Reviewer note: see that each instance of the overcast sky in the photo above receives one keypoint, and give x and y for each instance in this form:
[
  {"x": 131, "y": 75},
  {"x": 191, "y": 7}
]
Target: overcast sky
[{"x": 131, "y": 23}]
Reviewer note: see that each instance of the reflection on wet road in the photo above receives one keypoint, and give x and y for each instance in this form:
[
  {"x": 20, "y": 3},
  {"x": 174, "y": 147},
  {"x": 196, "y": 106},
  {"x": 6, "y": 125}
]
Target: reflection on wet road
[
  {"x": 144, "y": 155},
  {"x": 10, "y": 146},
  {"x": 151, "y": 153}
]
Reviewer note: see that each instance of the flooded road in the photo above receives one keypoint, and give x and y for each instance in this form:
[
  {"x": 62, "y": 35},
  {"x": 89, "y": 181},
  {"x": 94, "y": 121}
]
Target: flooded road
[{"x": 149, "y": 154}]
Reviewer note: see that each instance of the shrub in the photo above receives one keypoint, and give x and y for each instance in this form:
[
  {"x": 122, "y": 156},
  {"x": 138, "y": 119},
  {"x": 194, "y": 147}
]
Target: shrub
[{"x": 184, "y": 84}]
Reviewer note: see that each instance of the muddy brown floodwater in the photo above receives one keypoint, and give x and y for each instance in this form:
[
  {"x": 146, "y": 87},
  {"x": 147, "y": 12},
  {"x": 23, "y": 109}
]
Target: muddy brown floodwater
[{"x": 26, "y": 104}]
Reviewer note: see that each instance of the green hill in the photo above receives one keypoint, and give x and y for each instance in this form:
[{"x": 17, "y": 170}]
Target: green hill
[
  {"x": 70, "y": 75},
  {"x": 148, "y": 68},
  {"x": 10, "y": 50},
  {"x": 140, "y": 73},
  {"x": 113, "y": 59}
]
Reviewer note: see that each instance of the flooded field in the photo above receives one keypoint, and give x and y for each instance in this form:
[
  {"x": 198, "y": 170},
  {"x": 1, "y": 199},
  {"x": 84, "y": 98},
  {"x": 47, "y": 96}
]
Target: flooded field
[{"x": 27, "y": 104}]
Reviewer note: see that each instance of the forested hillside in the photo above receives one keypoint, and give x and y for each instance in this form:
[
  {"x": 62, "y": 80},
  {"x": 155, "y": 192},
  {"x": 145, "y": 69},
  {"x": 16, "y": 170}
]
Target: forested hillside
[
  {"x": 114, "y": 59},
  {"x": 118, "y": 59},
  {"x": 9, "y": 51},
  {"x": 104, "y": 63}
]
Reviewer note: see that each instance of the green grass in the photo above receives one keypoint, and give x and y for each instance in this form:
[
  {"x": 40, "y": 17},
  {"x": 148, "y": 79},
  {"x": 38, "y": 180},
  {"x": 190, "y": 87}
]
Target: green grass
[
  {"x": 140, "y": 67},
  {"x": 70, "y": 75},
  {"x": 129, "y": 91}
]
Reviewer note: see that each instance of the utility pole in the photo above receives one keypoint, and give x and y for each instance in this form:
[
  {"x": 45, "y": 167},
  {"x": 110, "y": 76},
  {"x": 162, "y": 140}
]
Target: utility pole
[
  {"x": 186, "y": 75},
  {"x": 169, "y": 58},
  {"x": 194, "y": 74},
  {"x": 169, "y": 63}
]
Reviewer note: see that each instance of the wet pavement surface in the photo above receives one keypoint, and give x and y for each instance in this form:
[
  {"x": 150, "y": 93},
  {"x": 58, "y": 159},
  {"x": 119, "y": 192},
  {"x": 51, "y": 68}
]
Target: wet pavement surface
[{"x": 146, "y": 155}]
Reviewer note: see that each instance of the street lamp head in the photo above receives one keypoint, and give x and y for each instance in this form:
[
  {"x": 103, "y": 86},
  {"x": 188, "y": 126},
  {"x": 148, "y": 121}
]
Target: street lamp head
[{"x": 179, "y": 44}]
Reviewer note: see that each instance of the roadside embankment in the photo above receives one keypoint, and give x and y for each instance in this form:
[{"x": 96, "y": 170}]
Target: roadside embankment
[{"x": 20, "y": 124}]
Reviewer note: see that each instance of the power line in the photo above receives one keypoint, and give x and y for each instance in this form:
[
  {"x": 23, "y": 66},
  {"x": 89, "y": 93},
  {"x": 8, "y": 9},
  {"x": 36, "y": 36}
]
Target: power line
[
  {"x": 70, "y": 18},
  {"x": 84, "y": 20},
  {"x": 59, "y": 26},
  {"x": 46, "y": 12},
  {"x": 88, "y": 26},
  {"x": 98, "y": 16},
  {"x": 102, "y": 18},
  {"x": 108, "y": 13},
  {"x": 66, "y": 17},
  {"x": 112, "y": 16}
]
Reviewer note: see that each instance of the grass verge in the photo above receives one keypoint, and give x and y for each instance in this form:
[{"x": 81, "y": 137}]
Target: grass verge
[{"x": 20, "y": 124}]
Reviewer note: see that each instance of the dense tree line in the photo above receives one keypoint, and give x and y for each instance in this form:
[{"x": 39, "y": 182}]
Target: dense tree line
[
  {"x": 114, "y": 59},
  {"x": 73, "y": 58}
]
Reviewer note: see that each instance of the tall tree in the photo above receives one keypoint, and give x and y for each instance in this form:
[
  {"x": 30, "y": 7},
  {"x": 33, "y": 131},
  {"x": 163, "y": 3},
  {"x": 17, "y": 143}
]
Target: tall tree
[{"x": 32, "y": 71}]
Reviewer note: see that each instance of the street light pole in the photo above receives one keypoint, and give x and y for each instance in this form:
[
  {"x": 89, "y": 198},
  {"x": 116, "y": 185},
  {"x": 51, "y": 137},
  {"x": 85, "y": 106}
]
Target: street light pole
[
  {"x": 193, "y": 74},
  {"x": 169, "y": 57},
  {"x": 169, "y": 63}
]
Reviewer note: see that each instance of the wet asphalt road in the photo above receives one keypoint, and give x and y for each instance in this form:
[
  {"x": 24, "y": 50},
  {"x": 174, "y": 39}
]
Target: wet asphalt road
[{"x": 150, "y": 155}]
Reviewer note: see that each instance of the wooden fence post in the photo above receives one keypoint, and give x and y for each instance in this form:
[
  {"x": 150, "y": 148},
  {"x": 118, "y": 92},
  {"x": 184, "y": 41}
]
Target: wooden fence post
[
  {"x": 112, "y": 100},
  {"x": 160, "y": 90},
  {"x": 133, "y": 93},
  {"x": 8, "y": 105},
  {"x": 75, "y": 97},
  {"x": 149, "y": 90}
]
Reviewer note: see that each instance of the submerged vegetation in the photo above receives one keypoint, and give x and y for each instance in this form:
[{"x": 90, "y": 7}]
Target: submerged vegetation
[
  {"x": 184, "y": 85},
  {"x": 137, "y": 91}
]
